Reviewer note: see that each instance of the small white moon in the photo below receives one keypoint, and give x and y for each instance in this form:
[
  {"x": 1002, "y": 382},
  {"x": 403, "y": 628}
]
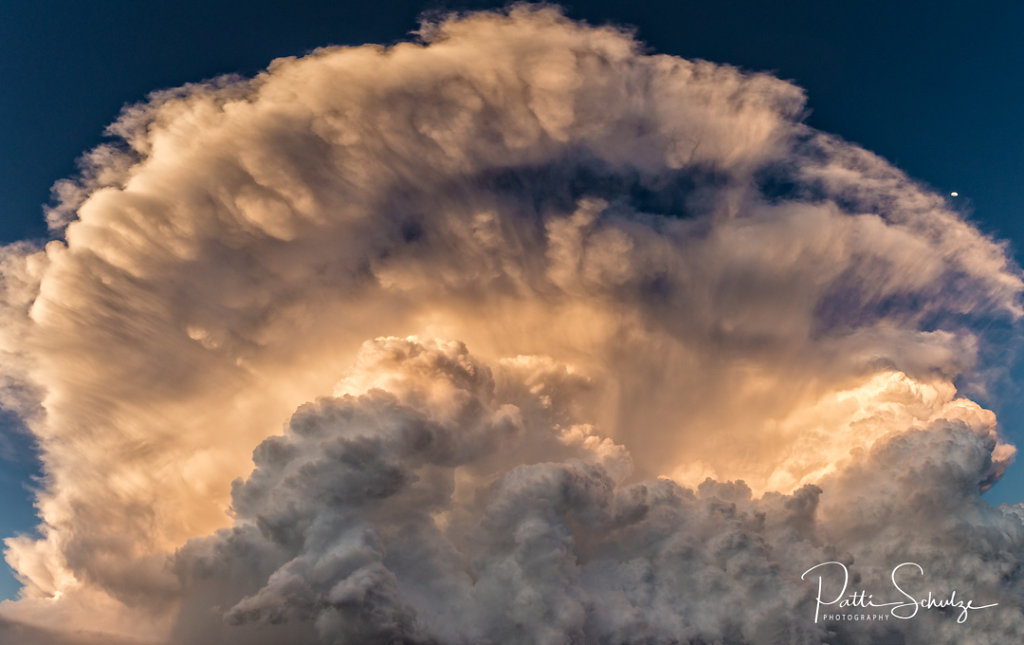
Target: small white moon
[{"x": 954, "y": 194}]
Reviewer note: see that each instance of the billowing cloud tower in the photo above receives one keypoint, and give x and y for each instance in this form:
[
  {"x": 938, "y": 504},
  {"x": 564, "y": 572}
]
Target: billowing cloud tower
[{"x": 512, "y": 334}]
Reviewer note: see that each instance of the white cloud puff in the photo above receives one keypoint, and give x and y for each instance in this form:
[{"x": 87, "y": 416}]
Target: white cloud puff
[{"x": 647, "y": 348}]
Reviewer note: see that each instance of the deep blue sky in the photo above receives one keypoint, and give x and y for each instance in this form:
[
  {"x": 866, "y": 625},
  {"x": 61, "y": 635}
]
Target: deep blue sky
[{"x": 936, "y": 88}]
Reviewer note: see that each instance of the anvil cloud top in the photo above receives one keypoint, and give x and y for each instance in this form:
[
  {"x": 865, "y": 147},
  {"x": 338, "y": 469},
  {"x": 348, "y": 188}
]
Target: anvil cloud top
[{"x": 532, "y": 337}]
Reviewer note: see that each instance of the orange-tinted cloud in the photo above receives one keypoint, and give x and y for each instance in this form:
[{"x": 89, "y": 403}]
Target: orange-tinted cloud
[{"x": 585, "y": 267}]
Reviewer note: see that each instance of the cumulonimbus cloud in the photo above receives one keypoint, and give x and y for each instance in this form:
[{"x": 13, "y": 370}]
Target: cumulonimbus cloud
[{"x": 537, "y": 338}]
